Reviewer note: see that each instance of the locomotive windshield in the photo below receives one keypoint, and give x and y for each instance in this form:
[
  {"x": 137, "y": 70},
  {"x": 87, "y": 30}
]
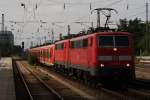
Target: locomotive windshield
[
  {"x": 121, "y": 41},
  {"x": 106, "y": 41},
  {"x": 113, "y": 41}
]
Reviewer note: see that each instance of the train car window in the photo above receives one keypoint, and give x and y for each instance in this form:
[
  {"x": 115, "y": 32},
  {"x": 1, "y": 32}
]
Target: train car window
[
  {"x": 85, "y": 43},
  {"x": 72, "y": 44},
  {"x": 62, "y": 46},
  {"x": 59, "y": 46},
  {"x": 121, "y": 41},
  {"x": 56, "y": 47},
  {"x": 75, "y": 44},
  {"x": 79, "y": 44},
  {"x": 44, "y": 54},
  {"x": 49, "y": 54},
  {"x": 106, "y": 41},
  {"x": 38, "y": 53}
]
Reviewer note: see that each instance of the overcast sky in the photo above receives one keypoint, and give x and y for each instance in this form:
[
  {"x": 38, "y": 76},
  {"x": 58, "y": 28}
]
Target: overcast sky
[{"x": 29, "y": 28}]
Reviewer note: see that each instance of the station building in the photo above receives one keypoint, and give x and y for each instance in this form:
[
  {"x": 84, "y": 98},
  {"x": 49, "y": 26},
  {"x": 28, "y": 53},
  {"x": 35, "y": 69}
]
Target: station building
[{"x": 6, "y": 43}]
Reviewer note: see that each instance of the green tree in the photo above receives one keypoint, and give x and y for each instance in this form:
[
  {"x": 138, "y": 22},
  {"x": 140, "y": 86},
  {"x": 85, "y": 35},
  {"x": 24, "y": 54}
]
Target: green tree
[{"x": 138, "y": 29}]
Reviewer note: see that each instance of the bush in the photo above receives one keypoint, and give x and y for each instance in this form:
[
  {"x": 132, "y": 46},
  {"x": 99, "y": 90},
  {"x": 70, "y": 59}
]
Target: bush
[{"x": 32, "y": 59}]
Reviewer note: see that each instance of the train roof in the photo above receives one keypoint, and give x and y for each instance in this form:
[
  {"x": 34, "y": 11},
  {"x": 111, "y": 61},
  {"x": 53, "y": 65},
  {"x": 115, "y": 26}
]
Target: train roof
[
  {"x": 81, "y": 37},
  {"x": 42, "y": 47},
  {"x": 112, "y": 33},
  {"x": 100, "y": 33},
  {"x": 61, "y": 41}
]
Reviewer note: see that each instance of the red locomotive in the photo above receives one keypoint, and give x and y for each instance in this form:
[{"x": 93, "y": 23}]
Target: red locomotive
[{"x": 100, "y": 55}]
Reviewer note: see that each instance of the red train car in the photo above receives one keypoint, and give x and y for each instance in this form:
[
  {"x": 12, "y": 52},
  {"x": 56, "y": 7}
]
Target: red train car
[
  {"x": 47, "y": 55},
  {"x": 101, "y": 55},
  {"x": 62, "y": 52},
  {"x": 44, "y": 54},
  {"x": 115, "y": 54},
  {"x": 33, "y": 52}
]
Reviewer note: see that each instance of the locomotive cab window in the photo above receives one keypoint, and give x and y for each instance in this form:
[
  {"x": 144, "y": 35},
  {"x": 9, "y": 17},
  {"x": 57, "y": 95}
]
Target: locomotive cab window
[
  {"x": 121, "y": 41},
  {"x": 113, "y": 41},
  {"x": 106, "y": 41}
]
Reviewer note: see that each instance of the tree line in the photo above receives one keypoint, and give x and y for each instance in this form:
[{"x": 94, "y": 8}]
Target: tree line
[{"x": 141, "y": 34}]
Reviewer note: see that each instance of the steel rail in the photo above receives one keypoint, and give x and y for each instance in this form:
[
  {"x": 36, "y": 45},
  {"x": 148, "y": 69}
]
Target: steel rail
[
  {"x": 22, "y": 78},
  {"x": 43, "y": 83}
]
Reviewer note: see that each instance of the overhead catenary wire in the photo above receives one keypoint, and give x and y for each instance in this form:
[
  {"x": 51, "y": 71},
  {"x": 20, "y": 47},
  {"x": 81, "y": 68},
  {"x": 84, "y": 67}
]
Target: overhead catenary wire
[
  {"x": 89, "y": 4},
  {"x": 110, "y": 4},
  {"x": 114, "y": 3}
]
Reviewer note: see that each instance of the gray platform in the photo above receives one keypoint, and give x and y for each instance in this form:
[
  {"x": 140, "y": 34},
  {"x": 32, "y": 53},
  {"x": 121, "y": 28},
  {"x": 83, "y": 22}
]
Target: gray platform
[{"x": 7, "y": 86}]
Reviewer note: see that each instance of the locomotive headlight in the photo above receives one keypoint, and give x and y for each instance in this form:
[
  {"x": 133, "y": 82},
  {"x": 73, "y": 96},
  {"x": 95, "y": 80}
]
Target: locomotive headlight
[
  {"x": 128, "y": 65},
  {"x": 102, "y": 65},
  {"x": 114, "y": 49}
]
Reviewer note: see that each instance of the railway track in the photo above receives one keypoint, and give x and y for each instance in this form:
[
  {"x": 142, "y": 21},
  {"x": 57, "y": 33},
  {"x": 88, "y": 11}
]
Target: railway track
[
  {"x": 136, "y": 91},
  {"x": 128, "y": 94},
  {"x": 99, "y": 92},
  {"x": 65, "y": 92},
  {"x": 22, "y": 91},
  {"x": 143, "y": 65},
  {"x": 119, "y": 94},
  {"x": 141, "y": 83},
  {"x": 140, "y": 89},
  {"x": 35, "y": 88}
]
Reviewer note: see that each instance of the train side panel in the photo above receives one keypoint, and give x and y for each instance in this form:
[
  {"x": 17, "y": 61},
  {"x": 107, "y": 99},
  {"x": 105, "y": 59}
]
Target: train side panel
[
  {"x": 61, "y": 52},
  {"x": 82, "y": 53}
]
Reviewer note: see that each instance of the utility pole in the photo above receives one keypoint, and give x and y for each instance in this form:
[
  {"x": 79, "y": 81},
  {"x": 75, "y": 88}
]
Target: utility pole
[
  {"x": 98, "y": 19},
  {"x": 52, "y": 36},
  {"x": 69, "y": 30},
  {"x": 45, "y": 39},
  {"x": 2, "y": 22},
  {"x": 92, "y": 24},
  {"x": 146, "y": 36}
]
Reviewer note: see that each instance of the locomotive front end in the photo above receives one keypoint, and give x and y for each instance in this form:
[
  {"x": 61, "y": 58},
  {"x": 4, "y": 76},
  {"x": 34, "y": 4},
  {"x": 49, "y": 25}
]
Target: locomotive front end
[{"x": 115, "y": 56}]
